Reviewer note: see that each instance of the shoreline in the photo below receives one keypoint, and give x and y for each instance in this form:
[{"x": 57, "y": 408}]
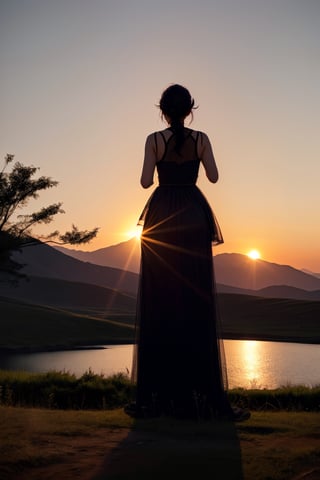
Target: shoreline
[
  {"x": 49, "y": 348},
  {"x": 16, "y": 349}
]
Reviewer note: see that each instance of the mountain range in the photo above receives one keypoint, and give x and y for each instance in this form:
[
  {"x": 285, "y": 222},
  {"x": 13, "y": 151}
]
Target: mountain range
[
  {"x": 235, "y": 274},
  {"x": 231, "y": 269}
]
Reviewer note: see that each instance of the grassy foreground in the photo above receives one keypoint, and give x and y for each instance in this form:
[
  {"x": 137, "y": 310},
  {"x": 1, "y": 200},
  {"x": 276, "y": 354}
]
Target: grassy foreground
[
  {"x": 54, "y": 425},
  {"x": 45, "y": 444}
]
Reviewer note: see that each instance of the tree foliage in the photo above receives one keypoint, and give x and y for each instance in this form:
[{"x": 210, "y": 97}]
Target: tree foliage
[{"x": 17, "y": 188}]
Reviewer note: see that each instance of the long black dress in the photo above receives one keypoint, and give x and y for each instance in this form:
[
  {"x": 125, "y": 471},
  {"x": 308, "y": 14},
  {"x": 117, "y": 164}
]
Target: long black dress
[{"x": 179, "y": 366}]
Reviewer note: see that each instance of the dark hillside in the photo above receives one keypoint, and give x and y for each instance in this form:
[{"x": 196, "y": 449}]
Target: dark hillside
[
  {"x": 37, "y": 327},
  {"x": 56, "y": 292},
  {"x": 244, "y": 316}
]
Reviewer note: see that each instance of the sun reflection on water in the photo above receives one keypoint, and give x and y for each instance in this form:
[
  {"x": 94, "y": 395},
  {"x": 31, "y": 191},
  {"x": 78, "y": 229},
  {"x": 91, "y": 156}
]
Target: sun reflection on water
[{"x": 252, "y": 362}]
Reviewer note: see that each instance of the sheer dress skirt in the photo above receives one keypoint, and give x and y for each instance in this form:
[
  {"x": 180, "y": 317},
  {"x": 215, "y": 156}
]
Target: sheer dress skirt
[{"x": 178, "y": 362}]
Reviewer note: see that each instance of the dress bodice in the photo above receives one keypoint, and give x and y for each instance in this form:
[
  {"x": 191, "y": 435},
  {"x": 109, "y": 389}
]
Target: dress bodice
[
  {"x": 179, "y": 168},
  {"x": 171, "y": 173}
]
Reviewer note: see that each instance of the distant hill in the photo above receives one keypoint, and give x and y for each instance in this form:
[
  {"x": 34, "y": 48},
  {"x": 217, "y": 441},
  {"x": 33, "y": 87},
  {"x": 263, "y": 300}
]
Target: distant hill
[
  {"x": 25, "y": 326},
  {"x": 125, "y": 255},
  {"x": 278, "y": 291},
  {"x": 71, "y": 295},
  {"x": 284, "y": 291},
  {"x": 252, "y": 317},
  {"x": 231, "y": 269},
  {"x": 241, "y": 271},
  {"x": 45, "y": 261}
]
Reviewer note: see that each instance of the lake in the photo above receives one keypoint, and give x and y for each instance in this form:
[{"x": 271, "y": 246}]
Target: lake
[{"x": 250, "y": 363}]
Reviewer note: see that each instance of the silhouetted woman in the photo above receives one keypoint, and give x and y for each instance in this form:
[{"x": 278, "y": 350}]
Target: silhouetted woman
[{"x": 179, "y": 365}]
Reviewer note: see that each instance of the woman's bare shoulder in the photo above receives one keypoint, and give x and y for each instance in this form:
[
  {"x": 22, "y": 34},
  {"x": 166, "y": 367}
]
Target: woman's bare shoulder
[
  {"x": 199, "y": 134},
  {"x": 158, "y": 133}
]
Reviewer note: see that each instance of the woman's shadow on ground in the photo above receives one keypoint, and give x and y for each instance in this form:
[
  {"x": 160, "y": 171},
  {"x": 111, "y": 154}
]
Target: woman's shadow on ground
[{"x": 165, "y": 448}]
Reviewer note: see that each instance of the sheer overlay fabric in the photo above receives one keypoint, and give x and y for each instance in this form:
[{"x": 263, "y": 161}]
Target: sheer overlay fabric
[{"x": 179, "y": 364}]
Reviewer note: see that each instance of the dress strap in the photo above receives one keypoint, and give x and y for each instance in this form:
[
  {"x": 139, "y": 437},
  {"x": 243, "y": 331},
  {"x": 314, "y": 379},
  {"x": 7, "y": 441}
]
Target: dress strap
[
  {"x": 165, "y": 142},
  {"x": 198, "y": 136},
  {"x": 155, "y": 141}
]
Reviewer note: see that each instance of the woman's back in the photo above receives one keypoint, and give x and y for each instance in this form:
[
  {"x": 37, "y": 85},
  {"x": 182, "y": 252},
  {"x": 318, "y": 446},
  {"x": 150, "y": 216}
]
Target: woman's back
[{"x": 177, "y": 167}]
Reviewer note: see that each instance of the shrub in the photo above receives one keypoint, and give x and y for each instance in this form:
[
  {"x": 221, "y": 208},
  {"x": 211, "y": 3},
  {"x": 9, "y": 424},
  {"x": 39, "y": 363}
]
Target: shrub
[
  {"x": 64, "y": 390},
  {"x": 91, "y": 391}
]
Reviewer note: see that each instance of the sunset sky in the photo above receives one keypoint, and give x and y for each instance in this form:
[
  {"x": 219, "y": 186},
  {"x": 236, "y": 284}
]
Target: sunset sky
[{"x": 80, "y": 80}]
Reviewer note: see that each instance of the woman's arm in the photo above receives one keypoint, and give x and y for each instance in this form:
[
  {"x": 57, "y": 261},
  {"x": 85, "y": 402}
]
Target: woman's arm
[
  {"x": 207, "y": 158},
  {"x": 149, "y": 162}
]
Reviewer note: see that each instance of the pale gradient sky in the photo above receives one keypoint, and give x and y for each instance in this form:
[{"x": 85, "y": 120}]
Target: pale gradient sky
[{"x": 79, "y": 84}]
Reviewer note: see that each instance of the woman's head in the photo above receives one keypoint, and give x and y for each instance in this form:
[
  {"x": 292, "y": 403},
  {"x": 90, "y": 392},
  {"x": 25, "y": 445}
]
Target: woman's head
[{"x": 176, "y": 104}]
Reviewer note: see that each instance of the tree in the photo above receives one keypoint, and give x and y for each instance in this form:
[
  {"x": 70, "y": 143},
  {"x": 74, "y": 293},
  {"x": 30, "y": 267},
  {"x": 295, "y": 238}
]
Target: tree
[{"x": 17, "y": 188}]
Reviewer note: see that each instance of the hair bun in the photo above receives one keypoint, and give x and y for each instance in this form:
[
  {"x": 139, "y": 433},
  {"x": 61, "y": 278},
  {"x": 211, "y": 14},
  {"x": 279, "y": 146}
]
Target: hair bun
[{"x": 176, "y": 102}]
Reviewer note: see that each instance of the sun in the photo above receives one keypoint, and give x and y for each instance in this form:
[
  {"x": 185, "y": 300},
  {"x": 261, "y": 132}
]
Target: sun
[
  {"x": 254, "y": 254},
  {"x": 135, "y": 233}
]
